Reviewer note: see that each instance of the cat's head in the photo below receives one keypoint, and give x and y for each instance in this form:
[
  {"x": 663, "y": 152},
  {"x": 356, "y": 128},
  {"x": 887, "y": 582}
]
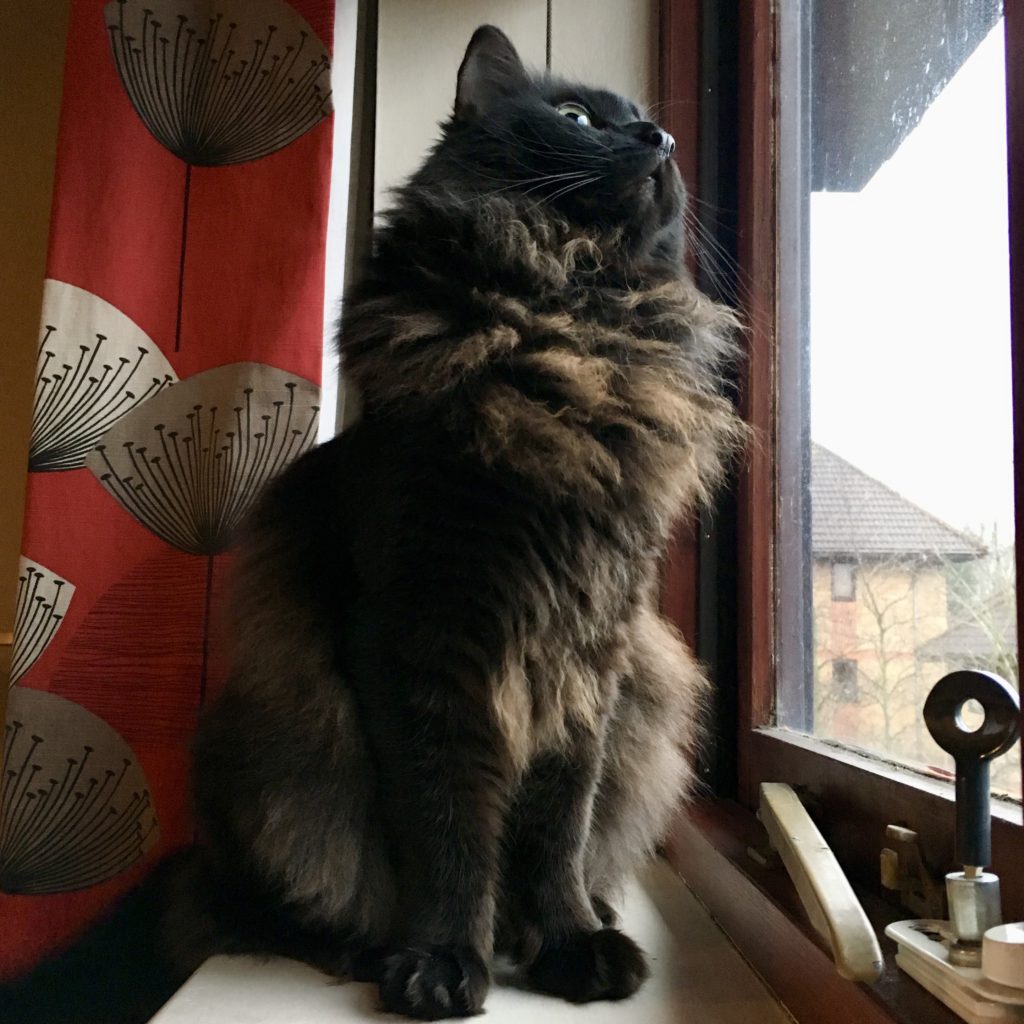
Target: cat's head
[{"x": 587, "y": 152}]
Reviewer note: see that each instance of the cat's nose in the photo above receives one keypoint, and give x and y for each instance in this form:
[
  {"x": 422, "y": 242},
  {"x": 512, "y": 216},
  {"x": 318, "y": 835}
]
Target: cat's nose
[
  {"x": 650, "y": 133},
  {"x": 661, "y": 138}
]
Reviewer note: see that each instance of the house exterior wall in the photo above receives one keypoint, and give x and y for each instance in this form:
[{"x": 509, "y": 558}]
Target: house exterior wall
[{"x": 897, "y": 608}]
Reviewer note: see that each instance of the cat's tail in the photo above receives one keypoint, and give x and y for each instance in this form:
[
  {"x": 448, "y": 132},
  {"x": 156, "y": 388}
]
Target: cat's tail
[{"x": 125, "y": 967}]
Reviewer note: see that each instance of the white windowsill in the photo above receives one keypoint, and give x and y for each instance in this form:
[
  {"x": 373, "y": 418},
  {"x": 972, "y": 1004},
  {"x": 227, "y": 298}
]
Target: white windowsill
[{"x": 696, "y": 975}]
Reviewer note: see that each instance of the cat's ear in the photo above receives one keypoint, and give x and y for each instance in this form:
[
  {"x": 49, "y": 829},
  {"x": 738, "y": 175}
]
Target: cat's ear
[{"x": 491, "y": 69}]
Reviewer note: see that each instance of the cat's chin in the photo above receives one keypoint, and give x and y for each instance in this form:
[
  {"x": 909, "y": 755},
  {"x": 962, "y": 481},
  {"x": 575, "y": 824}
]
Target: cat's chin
[
  {"x": 644, "y": 187},
  {"x": 649, "y": 192},
  {"x": 654, "y": 193}
]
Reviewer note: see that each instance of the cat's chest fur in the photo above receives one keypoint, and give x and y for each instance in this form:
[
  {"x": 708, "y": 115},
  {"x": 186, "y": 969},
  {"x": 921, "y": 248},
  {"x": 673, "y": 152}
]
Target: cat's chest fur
[
  {"x": 557, "y": 407},
  {"x": 546, "y": 354}
]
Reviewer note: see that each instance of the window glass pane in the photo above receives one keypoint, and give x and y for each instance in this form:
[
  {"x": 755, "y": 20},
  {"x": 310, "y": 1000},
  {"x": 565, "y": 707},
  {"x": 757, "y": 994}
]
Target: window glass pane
[{"x": 896, "y": 416}]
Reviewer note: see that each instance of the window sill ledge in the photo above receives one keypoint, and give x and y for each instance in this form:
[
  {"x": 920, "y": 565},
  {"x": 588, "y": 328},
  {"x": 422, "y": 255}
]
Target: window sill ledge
[
  {"x": 760, "y": 912},
  {"x": 696, "y": 975}
]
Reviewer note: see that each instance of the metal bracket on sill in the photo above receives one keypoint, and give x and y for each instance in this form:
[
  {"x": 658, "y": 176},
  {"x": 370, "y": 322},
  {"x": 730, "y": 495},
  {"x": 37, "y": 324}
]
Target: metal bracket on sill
[
  {"x": 903, "y": 870},
  {"x": 833, "y": 909}
]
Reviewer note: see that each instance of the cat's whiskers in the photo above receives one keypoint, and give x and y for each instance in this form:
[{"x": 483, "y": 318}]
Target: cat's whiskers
[
  {"x": 720, "y": 267},
  {"x": 573, "y": 187},
  {"x": 568, "y": 177},
  {"x": 719, "y": 259},
  {"x": 510, "y": 158},
  {"x": 585, "y": 146},
  {"x": 596, "y": 164},
  {"x": 547, "y": 180},
  {"x": 547, "y": 149},
  {"x": 480, "y": 172},
  {"x": 712, "y": 208},
  {"x": 535, "y": 183},
  {"x": 540, "y": 177},
  {"x": 712, "y": 260},
  {"x": 655, "y": 109}
]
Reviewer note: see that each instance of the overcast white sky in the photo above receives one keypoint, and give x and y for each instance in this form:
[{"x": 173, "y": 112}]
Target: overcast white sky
[{"x": 910, "y": 324}]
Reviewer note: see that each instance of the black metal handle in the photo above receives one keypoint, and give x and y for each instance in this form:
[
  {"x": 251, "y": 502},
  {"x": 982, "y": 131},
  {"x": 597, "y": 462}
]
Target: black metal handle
[{"x": 973, "y": 751}]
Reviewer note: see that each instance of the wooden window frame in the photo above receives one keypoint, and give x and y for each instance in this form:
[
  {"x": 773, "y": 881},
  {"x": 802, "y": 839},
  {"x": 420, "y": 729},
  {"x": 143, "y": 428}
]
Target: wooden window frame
[{"x": 853, "y": 796}]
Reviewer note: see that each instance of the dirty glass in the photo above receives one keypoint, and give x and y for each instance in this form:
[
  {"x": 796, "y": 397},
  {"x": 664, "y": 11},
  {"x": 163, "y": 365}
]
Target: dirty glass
[{"x": 896, "y": 430}]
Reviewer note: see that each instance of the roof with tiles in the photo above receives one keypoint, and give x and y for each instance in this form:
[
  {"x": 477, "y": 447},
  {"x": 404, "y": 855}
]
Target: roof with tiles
[
  {"x": 992, "y": 630},
  {"x": 855, "y": 515}
]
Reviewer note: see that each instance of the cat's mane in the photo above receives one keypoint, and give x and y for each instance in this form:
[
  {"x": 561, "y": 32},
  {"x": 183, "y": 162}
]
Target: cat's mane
[{"x": 588, "y": 368}]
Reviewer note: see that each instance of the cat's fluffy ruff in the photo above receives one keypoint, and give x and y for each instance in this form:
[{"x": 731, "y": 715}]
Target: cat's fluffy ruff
[{"x": 592, "y": 376}]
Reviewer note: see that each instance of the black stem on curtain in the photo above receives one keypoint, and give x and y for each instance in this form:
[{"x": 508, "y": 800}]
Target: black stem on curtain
[{"x": 181, "y": 259}]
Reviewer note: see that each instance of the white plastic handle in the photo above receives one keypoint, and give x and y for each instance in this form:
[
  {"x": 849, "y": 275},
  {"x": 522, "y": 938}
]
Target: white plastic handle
[{"x": 834, "y": 910}]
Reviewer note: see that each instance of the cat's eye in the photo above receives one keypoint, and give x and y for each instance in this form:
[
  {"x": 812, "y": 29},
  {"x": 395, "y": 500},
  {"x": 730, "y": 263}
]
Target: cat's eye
[{"x": 576, "y": 111}]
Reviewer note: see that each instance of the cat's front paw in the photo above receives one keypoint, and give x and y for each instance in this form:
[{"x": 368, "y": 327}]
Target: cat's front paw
[
  {"x": 433, "y": 982},
  {"x": 591, "y": 965}
]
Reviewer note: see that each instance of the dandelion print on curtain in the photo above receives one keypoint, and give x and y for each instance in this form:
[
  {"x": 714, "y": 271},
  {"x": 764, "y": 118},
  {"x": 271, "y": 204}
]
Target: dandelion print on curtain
[{"x": 179, "y": 356}]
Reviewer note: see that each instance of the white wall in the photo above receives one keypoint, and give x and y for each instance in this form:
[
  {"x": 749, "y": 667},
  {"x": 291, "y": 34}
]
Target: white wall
[{"x": 342, "y": 87}]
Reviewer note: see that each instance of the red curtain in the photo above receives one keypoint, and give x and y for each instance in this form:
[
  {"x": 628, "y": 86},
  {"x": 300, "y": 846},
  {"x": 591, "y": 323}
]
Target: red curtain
[{"x": 179, "y": 364}]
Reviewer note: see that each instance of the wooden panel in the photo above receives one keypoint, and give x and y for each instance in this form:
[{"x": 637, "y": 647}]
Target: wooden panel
[
  {"x": 756, "y": 492},
  {"x": 678, "y": 111},
  {"x": 680, "y": 579},
  {"x": 360, "y": 173},
  {"x": 609, "y": 43},
  {"x": 679, "y": 57},
  {"x": 344, "y": 169},
  {"x": 32, "y": 57},
  {"x": 420, "y": 47}
]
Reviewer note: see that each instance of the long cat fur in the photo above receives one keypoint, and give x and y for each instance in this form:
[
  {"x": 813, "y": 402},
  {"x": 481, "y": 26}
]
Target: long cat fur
[{"x": 455, "y": 720}]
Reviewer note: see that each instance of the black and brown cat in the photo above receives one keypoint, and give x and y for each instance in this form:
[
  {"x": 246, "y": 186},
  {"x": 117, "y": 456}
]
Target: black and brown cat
[{"x": 455, "y": 721}]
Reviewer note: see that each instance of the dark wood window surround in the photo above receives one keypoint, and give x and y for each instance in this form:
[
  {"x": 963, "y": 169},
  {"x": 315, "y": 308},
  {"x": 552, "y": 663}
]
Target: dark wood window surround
[{"x": 720, "y": 99}]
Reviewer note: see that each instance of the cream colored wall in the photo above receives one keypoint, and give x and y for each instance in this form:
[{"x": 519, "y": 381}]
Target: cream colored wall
[
  {"x": 31, "y": 65},
  {"x": 421, "y": 42},
  {"x": 420, "y": 47},
  {"x": 610, "y": 43}
]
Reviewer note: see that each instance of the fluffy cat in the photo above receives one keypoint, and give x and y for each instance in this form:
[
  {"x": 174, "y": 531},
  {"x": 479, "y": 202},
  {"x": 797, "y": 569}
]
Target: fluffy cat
[{"x": 455, "y": 720}]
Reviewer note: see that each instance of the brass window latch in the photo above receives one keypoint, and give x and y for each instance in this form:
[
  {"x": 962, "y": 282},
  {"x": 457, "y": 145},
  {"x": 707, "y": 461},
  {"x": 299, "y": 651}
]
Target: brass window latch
[{"x": 904, "y": 870}]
